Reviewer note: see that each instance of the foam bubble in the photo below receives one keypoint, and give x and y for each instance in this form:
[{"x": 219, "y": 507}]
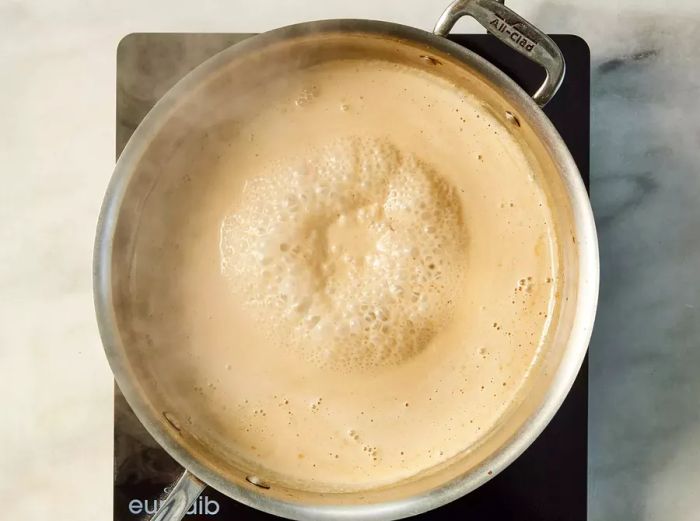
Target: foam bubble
[{"x": 351, "y": 257}]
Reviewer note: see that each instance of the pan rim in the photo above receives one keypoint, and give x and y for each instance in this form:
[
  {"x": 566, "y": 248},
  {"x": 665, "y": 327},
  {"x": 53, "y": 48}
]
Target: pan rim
[{"x": 588, "y": 281}]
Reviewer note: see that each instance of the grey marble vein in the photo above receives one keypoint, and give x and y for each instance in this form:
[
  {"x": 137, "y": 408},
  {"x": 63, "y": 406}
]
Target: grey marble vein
[{"x": 644, "y": 426}]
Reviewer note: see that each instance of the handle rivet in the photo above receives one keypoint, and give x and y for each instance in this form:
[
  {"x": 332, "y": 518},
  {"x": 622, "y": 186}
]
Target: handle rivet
[
  {"x": 430, "y": 59},
  {"x": 255, "y": 480},
  {"x": 172, "y": 420},
  {"x": 512, "y": 118}
]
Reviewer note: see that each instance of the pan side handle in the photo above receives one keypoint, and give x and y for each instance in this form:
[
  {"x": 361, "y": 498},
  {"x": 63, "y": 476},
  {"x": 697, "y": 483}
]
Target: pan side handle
[
  {"x": 183, "y": 493},
  {"x": 514, "y": 31}
]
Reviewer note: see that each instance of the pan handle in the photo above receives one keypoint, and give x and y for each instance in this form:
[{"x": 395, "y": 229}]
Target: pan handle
[
  {"x": 183, "y": 493},
  {"x": 514, "y": 31}
]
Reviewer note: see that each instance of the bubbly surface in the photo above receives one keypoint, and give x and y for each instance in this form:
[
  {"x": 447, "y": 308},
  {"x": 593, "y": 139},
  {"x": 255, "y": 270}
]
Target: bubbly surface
[
  {"x": 349, "y": 284},
  {"x": 352, "y": 256}
]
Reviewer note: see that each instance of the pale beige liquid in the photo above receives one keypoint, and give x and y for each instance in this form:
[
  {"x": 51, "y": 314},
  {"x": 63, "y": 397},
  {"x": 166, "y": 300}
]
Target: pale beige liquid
[{"x": 363, "y": 281}]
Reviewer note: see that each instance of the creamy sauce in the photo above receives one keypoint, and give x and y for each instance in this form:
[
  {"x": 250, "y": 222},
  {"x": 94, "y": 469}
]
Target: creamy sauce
[{"x": 363, "y": 280}]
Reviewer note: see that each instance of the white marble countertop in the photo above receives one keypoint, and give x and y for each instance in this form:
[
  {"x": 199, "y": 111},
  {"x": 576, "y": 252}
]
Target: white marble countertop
[{"x": 57, "y": 152}]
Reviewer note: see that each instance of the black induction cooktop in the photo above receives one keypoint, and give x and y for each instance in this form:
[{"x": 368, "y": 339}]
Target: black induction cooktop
[{"x": 547, "y": 483}]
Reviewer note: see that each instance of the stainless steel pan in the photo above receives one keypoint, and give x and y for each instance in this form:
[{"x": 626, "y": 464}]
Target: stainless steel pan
[{"x": 314, "y": 42}]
